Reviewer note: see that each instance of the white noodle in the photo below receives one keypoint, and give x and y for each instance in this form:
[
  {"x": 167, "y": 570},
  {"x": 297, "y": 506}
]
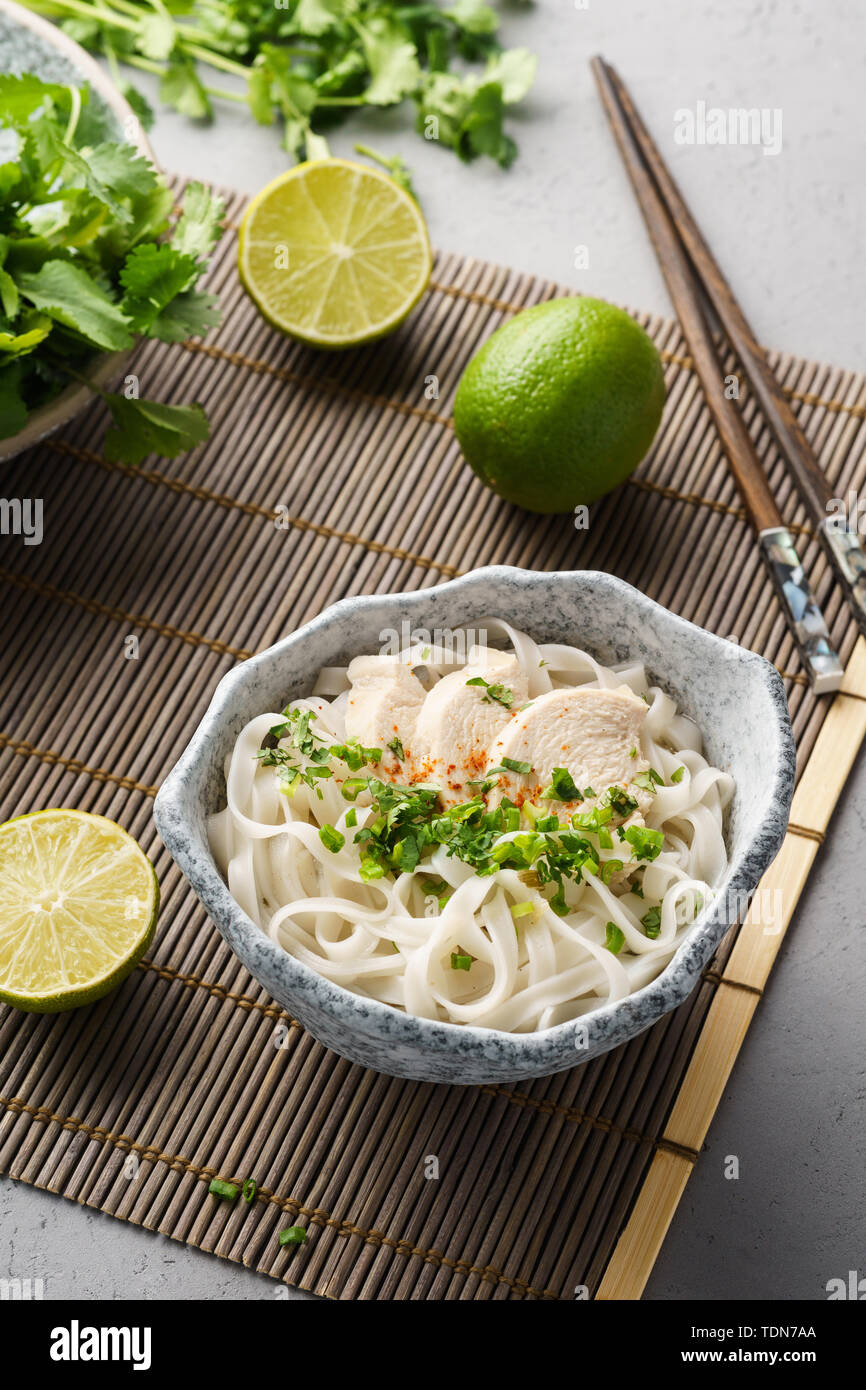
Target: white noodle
[{"x": 388, "y": 939}]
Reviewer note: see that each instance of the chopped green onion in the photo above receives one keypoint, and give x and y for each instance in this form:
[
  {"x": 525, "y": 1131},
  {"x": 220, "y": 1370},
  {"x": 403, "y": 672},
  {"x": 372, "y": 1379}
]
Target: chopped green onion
[
  {"x": 249, "y": 1189},
  {"x": 351, "y": 818},
  {"x": 461, "y": 960},
  {"x": 647, "y": 844},
  {"x": 678, "y": 775},
  {"x": 220, "y": 1188},
  {"x": 352, "y": 786},
  {"x": 614, "y": 938},
  {"x": 609, "y": 868},
  {"x": 588, "y": 792},
  {"x": 331, "y": 838},
  {"x": 522, "y": 909},
  {"x": 293, "y": 1235}
]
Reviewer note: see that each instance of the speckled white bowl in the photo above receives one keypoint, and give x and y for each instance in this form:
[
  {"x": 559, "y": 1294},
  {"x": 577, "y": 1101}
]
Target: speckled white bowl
[
  {"x": 736, "y": 697},
  {"x": 29, "y": 43}
]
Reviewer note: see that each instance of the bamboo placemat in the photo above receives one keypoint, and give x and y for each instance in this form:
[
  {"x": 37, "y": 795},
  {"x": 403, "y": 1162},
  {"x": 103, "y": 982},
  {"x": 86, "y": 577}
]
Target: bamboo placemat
[{"x": 189, "y": 1070}]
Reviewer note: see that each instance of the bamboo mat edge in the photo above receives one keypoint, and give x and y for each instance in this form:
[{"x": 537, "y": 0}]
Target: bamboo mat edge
[{"x": 746, "y": 973}]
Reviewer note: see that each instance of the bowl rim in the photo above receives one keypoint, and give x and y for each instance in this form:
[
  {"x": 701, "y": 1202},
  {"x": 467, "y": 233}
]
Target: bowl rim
[
  {"x": 380, "y": 1021},
  {"x": 107, "y": 365}
]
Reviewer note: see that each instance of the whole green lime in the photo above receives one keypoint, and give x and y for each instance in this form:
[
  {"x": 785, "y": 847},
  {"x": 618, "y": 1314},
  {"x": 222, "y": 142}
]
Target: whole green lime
[{"x": 561, "y": 404}]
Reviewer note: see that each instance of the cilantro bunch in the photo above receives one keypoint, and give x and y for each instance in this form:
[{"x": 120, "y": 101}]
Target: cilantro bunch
[
  {"x": 308, "y": 63},
  {"x": 88, "y": 264}
]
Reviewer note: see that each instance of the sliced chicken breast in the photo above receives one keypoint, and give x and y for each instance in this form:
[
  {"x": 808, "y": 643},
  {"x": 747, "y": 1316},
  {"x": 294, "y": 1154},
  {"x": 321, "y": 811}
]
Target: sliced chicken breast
[
  {"x": 458, "y": 722},
  {"x": 384, "y": 702},
  {"x": 590, "y": 732}
]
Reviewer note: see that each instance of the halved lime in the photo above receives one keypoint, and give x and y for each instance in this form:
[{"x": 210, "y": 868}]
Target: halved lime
[
  {"x": 334, "y": 253},
  {"x": 78, "y": 905}
]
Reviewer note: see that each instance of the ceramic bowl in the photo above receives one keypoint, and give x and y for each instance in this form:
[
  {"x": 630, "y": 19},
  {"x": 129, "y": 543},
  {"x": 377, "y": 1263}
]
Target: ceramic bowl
[
  {"x": 736, "y": 697},
  {"x": 29, "y": 43}
]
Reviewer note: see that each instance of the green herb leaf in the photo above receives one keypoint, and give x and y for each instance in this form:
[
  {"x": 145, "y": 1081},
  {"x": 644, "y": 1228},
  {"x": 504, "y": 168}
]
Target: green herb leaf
[
  {"x": 652, "y": 922},
  {"x": 562, "y": 787},
  {"x": 500, "y": 693},
  {"x": 143, "y": 427},
  {"x": 515, "y": 765},
  {"x": 66, "y": 293}
]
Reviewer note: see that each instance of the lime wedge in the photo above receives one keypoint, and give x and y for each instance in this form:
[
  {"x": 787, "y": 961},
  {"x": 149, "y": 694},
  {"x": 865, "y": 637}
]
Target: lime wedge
[
  {"x": 78, "y": 905},
  {"x": 334, "y": 253}
]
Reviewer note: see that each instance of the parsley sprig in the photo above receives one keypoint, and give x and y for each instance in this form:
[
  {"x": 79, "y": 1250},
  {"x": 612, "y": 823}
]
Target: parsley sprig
[{"x": 90, "y": 263}]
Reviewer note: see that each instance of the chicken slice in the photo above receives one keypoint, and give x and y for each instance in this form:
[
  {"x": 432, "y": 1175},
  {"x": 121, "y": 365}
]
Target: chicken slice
[
  {"x": 590, "y": 732},
  {"x": 458, "y": 722},
  {"x": 384, "y": 702}
]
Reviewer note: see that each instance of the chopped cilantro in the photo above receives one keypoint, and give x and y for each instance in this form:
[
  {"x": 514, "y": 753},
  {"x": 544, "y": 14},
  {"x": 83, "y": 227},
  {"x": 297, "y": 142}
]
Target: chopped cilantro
[
  {"x": 652, "y": 922},
  {"x": 515, "y": 765},
  {"x": 562, "y": 787},
  {"x": 649, "y": 780},
  {"x": 396, "y": 748},
  {"x": 500, "y": 693},
  {"x": 618, "y": 799}
]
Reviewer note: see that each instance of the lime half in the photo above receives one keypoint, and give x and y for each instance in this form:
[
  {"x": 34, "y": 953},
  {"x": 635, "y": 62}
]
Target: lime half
[
  {"x": 334, "y": 253},
  {"x": 78, "y": 905}
]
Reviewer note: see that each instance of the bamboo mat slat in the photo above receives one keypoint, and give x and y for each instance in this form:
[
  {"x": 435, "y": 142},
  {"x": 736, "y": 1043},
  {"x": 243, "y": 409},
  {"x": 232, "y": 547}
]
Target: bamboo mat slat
[{"x": 330, "y": 475}]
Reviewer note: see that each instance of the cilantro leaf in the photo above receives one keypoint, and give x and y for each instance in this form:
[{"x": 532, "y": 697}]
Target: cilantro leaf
[
  {"x": 66, "y": 293},
  {"x": 142, "y": 427},
  {"x": 152, "y": 276},
  {"x": 182, "y": 88},
  {"x": 514, "y": 71},
  {"x": 392, "y": 60},
  {"x": 481, "y": 127},
  {"x": 199, "y": 226}
]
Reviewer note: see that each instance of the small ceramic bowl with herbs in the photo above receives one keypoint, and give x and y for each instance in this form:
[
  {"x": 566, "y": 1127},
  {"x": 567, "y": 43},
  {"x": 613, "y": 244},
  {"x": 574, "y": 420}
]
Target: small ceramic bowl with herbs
[{"x": 91, "y": 258}]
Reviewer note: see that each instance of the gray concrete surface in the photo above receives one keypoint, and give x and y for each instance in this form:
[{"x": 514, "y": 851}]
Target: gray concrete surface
[{"x": 787, "y": 229}]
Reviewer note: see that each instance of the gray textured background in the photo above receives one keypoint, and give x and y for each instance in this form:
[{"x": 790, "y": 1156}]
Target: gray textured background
[{"x": 787, "y": 230}]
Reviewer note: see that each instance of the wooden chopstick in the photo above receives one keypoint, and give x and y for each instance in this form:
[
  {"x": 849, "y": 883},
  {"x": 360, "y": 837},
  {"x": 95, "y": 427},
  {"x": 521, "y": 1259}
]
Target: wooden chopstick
[
  {"x": 843, "y": 546},
  {"x": 778, "y": 549}
]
